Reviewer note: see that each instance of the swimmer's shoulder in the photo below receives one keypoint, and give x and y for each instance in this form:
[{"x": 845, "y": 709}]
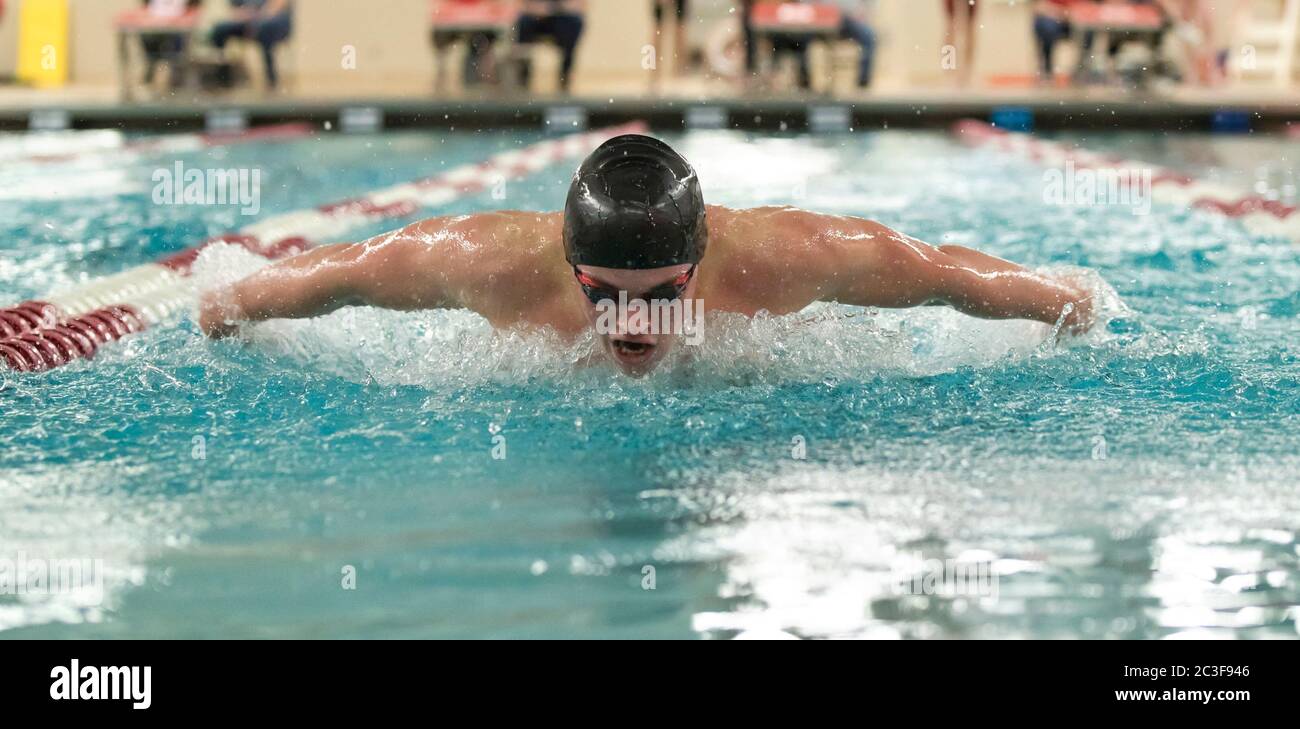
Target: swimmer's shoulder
[
  {"x": 764, "y": 234},
  {"x": 500, "y": 239},
  {"x": 778, "y": 257},
  {"x": 523, "y": 250},
  {"x": 513, "y": 229},
  {"x": 781, "y": 231},
  {"x": 762, "y": 224},
  {"x": 747, "y": 266}
]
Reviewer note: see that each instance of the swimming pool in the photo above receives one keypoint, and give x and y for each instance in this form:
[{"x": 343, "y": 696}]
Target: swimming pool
[{"x": 793, "y": 475}]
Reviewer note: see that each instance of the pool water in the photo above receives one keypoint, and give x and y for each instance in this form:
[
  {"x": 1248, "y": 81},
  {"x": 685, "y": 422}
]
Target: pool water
[{"x": 382, "y": 475}]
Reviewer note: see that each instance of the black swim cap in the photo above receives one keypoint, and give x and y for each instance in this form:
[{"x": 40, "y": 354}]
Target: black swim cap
[{"x": 634, "y": 203}]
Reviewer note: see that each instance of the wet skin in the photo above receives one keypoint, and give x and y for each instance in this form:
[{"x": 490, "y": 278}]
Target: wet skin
[{"x": 510, "y": 268}]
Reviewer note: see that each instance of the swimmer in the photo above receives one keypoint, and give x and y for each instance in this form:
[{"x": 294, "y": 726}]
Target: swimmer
[{"x": 635, "y": 228}]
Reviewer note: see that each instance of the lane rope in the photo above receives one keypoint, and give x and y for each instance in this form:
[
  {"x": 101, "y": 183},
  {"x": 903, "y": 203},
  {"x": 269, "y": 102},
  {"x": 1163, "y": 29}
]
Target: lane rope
[
  {"x": 169, "y": 144},
  {"x": 1258, "y": 214}
]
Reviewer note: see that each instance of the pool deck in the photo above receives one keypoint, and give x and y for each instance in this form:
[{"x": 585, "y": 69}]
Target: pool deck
[{"x": 1179, "y": 109}]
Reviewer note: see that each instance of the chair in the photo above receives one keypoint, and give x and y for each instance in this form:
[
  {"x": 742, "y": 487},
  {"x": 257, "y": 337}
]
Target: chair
[
  {"x": 811, "y": 22},
  {"x": 150, "y": 22},
  {"x": 464, "y": 18}
]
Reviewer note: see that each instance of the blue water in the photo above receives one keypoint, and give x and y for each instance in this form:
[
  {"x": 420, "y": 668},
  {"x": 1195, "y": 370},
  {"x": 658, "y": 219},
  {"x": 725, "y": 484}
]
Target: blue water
[{"x": 790, "y": 477}]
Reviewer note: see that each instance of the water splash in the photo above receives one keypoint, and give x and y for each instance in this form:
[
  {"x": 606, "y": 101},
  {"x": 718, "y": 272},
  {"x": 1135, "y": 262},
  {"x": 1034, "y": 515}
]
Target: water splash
[{"x": 824, "y": 342}]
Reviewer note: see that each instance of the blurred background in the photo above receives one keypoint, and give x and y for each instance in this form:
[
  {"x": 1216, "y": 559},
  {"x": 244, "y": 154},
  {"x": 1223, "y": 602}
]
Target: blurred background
[{"x": 186, "y": 51}]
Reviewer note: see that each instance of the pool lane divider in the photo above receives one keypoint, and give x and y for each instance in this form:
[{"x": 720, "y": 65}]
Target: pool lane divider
[
  {"x": 1258, "y": 214},
  {"x": 62, "y": 328},
  {"x": 177, "y": 143}
]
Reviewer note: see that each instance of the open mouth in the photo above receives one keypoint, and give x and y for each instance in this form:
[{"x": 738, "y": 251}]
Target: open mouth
[{"x": 632, "y": 352}]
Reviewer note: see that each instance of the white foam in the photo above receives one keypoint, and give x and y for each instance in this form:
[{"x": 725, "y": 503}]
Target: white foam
[
  {"x": 90, "y": 521},
  {"x": 72, "y": 184},
  {"x": 58, "y": 144}
]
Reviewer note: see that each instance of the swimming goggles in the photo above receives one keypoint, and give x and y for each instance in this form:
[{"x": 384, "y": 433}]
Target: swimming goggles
[{"x": 670, "y": 291}]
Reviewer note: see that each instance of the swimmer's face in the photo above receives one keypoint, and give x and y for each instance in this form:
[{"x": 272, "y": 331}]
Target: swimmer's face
[{"x": 636, "y": 342}]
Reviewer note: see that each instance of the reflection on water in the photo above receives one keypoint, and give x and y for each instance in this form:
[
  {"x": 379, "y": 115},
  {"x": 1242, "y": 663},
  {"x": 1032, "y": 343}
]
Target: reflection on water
[{"x": 840, "y": 553}]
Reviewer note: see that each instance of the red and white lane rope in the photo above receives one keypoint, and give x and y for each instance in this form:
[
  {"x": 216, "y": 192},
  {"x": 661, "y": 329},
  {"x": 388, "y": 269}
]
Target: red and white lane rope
[
  {"x": 109, "y": 147},
  {"x": 1258, "y": 214},
  {"x": 41, "y": 335}
]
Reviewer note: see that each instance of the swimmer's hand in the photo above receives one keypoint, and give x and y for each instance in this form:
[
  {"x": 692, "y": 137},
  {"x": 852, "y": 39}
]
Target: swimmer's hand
[
  {"x": 1078, "y": 314},
  {"x": 220, "y": 315},
  {"x": 1082, "y": 314}
]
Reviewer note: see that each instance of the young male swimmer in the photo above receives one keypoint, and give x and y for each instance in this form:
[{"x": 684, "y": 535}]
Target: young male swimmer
[{"x": 635, "y": 225}]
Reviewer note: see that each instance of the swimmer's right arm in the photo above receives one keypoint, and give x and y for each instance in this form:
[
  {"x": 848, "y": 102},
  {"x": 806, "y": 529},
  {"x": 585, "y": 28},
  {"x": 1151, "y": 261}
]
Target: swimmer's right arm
[{"x": 408, "y": 269}]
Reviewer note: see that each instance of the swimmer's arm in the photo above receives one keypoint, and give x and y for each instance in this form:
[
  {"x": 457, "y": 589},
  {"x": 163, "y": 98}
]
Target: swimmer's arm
[
  {"x": 870, "y": 265},
  {"x": 403, "y": 270}
]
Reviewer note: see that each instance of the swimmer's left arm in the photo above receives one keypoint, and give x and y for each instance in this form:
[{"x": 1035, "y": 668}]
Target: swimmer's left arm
[{"x": 867, "y": 264}]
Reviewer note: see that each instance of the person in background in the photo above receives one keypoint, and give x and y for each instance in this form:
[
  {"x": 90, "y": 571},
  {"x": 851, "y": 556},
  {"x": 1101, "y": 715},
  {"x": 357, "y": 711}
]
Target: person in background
[
  {"x": 559, "y": 20},
  {"x": 1225, "y": 36},
  {"x": 790, "y": 44},
  {"x": 1196, "y": 28},
  {"x": 269, "y": 22},
  {"x": 961, "y": 22},
  {"x": 679, "y": 9},
  {"x": 856, "y": 26},
  {"x": 480, "y": 67},
  {"x": 1052, "y": 25},
  {"x": 747, "y": 36},
  {"x": 170, "y": 47}
]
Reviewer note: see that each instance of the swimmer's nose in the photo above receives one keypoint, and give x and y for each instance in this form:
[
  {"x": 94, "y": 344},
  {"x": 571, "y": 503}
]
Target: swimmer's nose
[{"x": 633, "y": 330}]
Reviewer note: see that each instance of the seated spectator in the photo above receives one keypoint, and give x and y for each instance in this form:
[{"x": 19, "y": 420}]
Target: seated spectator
[
  {"x": 558, "y": 20},
  {"x": 480, "y": 66},
  {"x": 269, "y": 22},
  {"x": 856, "y": 26},
  {"x": 796, "y": 46},
  {"x": 165, "y": 47},
  {"x": 1052, "y": 25}
]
